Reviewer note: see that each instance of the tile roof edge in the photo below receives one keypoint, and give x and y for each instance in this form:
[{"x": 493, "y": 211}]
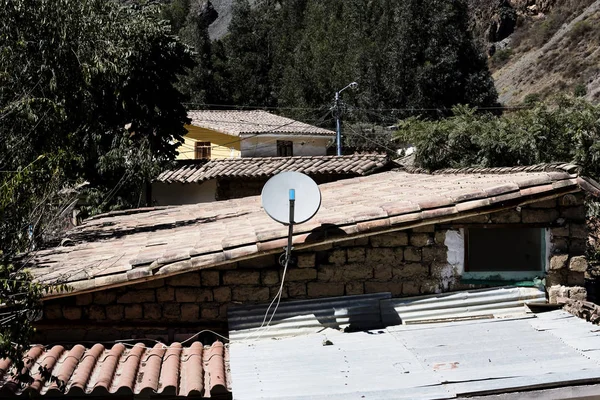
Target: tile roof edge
[
  {"x": 589, "y": 185},
  {"x": 570, "y": 168},
  {"x": 79, "y": 374},
  {"x": 272, "y": 245},
  {"x": 174, "y": 175}
]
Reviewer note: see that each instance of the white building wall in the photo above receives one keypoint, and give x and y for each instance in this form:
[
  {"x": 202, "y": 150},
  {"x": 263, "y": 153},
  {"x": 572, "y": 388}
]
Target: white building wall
[{"x": 266, "y": 146}]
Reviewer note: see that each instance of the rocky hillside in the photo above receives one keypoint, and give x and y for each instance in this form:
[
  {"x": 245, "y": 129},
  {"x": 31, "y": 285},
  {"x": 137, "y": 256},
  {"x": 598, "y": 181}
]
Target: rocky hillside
[
  {"x": 539, "y": 48},
  {"x": 218, "y": 28}
]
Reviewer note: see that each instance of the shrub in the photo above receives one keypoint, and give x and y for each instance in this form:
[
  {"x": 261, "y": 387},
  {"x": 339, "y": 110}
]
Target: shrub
[
  {"x": 580, "y": 90},
  {"x": 500, "y": 58},
  {"x": 566, "y": 130}
]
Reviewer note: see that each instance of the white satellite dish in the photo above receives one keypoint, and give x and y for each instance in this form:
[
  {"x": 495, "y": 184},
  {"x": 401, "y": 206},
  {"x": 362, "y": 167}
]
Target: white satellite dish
[{"x": 291, "y": 190}]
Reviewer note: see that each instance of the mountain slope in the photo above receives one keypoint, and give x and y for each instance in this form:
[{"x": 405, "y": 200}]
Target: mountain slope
[{"x": 567, "y": 62}]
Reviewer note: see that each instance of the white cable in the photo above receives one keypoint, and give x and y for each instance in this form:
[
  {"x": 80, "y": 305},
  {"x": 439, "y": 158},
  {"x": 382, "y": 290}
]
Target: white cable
[{"x": 278, "y": 298}]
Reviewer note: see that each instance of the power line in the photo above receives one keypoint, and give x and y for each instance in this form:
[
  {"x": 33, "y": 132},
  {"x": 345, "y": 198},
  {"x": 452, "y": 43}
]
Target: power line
[
  {"x": 371, "y": 140},
  {"x": 410, "y": 109}
]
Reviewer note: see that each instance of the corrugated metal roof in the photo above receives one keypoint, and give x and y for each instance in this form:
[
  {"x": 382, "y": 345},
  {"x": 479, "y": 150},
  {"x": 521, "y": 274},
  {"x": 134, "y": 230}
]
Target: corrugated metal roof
[
  {"x": 174, "y": 370},
  {"x": 427, "y": 361},
  {"x": 307, "y": 316},
  {"x": 484, "y": 303},
  {"x": 300, "y": 317},
  {"x": 257, "y": 167}
]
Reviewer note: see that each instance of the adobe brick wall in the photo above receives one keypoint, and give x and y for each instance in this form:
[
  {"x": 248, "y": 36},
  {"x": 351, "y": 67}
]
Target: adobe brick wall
[{"x": 405, "y": 263}]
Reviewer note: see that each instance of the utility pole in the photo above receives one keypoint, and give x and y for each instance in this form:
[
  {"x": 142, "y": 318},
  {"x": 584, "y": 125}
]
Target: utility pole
[{"x": 338, "y": 113}]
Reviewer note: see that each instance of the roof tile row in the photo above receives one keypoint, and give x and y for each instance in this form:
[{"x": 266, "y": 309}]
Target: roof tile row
[
  {"x": 124, "y": 370},
  {"x": 359, "y": 164},
  {"x": 119, "y": 247},
  {"x": 236, "y": 123}
]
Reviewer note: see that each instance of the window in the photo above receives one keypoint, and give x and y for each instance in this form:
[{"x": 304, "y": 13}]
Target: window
[
  {"x": 505, "y": 253},
  {"x": 202, "y": 150},
  {"x": 285, "y": 148}
]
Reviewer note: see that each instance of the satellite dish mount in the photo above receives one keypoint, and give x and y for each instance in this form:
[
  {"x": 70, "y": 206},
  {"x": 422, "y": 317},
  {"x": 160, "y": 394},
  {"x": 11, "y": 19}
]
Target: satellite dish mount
[{"x": 290, "y": 198}]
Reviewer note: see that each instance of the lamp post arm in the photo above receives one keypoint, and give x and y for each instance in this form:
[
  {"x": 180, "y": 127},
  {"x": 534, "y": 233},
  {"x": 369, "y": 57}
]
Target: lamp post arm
[{"x": 338, "y": 125}]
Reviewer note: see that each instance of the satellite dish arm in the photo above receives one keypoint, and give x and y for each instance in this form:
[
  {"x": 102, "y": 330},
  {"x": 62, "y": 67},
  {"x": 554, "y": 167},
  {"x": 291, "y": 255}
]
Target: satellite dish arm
[{"x": 288, "y": 250}]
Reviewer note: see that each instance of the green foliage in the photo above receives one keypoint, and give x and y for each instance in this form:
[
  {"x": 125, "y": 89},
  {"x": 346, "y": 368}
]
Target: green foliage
[
  {"x": 580, "y": 90},
  {"x": 531, "y": 99},
  {"x": 500, "y": 58},
  {"x": 566, "y": 131},
  {"x": 207, "y": 82},
  {"x": 369, "y": 138},
  {"x": 86, "y": 95},
  {"x": 75, "y": 74},
  {"x": 249, "y": 53},
  {"x": 297, "y": 53}
]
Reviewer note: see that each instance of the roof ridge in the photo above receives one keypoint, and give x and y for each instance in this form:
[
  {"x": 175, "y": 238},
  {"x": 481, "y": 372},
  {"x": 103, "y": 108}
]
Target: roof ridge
[
  {"x": 570, "y": 168},
  {"x": 354, "y": 164},
  {"x": 230, "y": 110}
]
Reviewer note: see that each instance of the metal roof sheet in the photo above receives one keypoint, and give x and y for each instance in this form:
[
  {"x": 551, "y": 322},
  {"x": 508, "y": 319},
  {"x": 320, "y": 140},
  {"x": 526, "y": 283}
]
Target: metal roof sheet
[
  {"x": 496, "y": 302},
  {"x": 307, "y": 316},
  {"x": 426, "y": 361},
  {"x": 300, "y": 317}
]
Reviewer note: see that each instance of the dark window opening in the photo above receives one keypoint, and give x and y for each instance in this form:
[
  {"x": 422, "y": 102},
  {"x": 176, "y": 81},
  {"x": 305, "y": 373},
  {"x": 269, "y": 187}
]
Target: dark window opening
[
  {"x": 504, "y": 249},
  {"x": 202, "y": 150},
  {"x": 285, "y": 148}
]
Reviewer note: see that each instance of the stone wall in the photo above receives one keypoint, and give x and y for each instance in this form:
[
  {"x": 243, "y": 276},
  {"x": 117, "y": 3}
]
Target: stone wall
[{"x": 405, "y": 263}]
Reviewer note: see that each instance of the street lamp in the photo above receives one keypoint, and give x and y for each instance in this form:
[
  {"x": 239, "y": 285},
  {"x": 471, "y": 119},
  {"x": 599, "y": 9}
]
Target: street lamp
[{"x": 338, "y": 114}]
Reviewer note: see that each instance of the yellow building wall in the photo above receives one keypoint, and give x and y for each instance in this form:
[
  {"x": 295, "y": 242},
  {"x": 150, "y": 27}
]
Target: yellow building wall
[{"x": 222, "y": 146}]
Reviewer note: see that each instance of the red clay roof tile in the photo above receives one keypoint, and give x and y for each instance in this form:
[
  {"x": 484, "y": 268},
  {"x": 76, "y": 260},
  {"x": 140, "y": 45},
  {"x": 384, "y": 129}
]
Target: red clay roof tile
[
  {"x": 239, "y": 122},
  {"x": 255, "y": 167},
  {"x": 112, "y": 248},
  {"x": 172, "y": 370}
]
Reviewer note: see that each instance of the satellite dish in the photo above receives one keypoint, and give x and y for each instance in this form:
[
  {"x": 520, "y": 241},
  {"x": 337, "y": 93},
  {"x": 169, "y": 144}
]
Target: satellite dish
[{"x": 303, "y": 192}]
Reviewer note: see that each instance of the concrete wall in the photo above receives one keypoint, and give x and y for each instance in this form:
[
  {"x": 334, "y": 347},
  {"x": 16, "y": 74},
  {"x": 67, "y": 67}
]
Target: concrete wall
[
  {"x": 164, "y": 194},
  {"x": 266, "y": 145},
  {"x": 424, "y": 260}
]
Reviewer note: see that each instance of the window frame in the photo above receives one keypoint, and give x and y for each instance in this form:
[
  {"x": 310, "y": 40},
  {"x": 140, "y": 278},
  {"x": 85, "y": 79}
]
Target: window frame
[
  {"x": 202, "y": 150},
  {"x": 285, "y": 144},
  {"x": 506, "y": 275}
]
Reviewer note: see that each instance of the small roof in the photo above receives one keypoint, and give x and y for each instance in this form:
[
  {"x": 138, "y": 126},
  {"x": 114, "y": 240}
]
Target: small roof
[
  {"x": 125, "y": 247},
  {"x": 424, "y": 361},
  {"x": 252, "y": 122},
  {"x": 350, "y": 165},
  {"x": 122, "y": 370}
]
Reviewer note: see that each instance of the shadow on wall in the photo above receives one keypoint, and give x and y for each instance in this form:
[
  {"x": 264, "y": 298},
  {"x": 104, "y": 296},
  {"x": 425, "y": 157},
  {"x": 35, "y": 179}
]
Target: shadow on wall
[{"x": 325, "y": 232}]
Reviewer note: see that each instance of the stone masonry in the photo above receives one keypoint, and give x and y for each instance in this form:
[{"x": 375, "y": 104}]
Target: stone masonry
[{"x": 405, "y": 263}]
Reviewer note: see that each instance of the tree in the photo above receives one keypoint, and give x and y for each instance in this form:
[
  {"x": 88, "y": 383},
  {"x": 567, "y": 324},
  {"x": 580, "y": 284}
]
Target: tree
[
  {"x": 249, "y": 53},
  {"x": 86, "y": 95},
  {"x": 566, "y": 130},
  {"x": 201, "y": 83},
  {"x": 405, "y": 55}
]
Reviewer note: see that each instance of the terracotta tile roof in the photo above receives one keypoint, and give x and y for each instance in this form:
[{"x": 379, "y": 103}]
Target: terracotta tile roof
[
  {"x": 127, "y": 246},
  {"x": 236, "y": 123},
  {"x": 123, "y": 370},
  {"x": 359, "y": 164}
]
